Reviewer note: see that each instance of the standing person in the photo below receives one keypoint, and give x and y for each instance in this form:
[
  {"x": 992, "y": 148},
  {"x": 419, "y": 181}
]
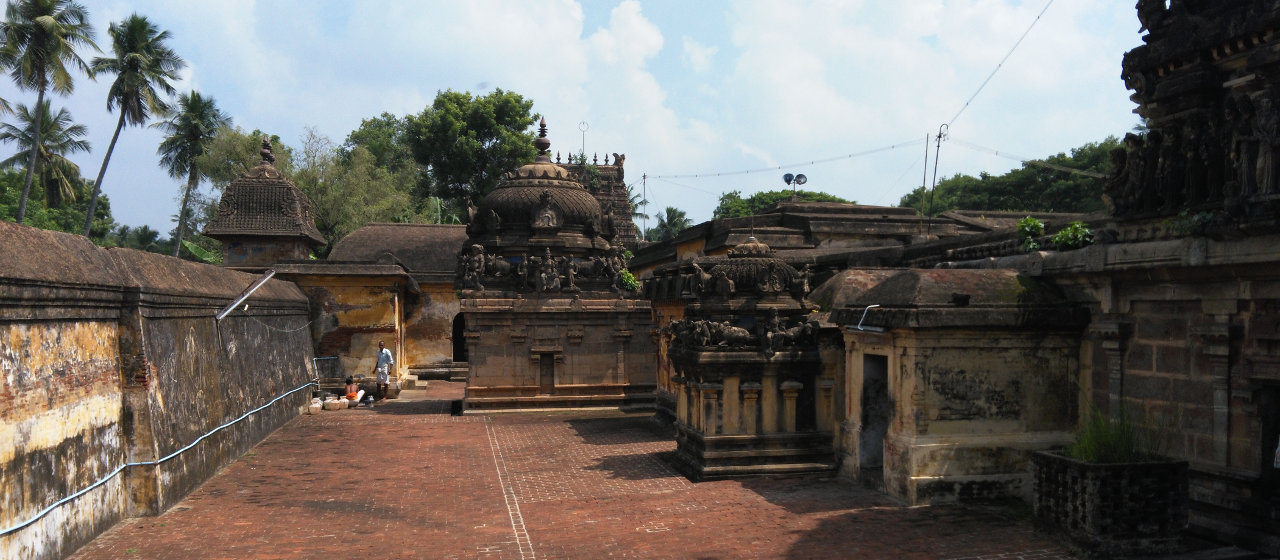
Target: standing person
[{"x": 383, "y": 369}]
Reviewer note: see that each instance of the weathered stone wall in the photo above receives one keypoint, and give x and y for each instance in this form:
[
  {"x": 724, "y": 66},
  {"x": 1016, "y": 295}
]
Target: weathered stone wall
[
  {"x": 965, "y": 408},
  {"x": 1185, "y": 341},
  {"x": 112, "y": 357},
  {"x": 351, "y": 315},
  {"x": 559, "y": 352},
  {"x": 428, "y": 327}
]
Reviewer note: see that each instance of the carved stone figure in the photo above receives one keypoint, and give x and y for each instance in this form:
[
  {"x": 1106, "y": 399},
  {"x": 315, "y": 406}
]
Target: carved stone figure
[
  {"x": 548, "y": 277},
  {"x": 545, "y": 215},
  {"x": 1113, "y": 190},
  {"x": 471, "y": 268},
  {"x": 1267, "y": 130},
  {"x": 492, "y": 221},
  {"x": 722, "y": 285},
  {"x": 1244, "y": 148},
  {"x": 699, "y": 280}
]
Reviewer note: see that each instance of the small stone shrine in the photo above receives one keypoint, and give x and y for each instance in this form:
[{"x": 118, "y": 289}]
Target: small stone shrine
[
  {"x": 747, "y": 368},
  {"x": 550, "y": 318},
  {"x": 263, "y": 219}
]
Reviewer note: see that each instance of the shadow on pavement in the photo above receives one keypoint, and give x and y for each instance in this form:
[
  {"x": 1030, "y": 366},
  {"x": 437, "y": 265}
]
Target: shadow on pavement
[
  {"x": 639, "y": 466},
  {"x": 633, "y": 428}
]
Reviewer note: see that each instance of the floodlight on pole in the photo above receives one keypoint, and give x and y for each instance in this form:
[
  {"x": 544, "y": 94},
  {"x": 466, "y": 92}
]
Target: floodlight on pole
[
  {"x": 794, "y": 180},
  {"x": 583, "y": 126}
]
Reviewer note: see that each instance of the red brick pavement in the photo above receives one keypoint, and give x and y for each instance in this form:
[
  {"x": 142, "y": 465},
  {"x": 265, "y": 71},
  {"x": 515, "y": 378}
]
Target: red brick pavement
[{"x": 406, "y": 480}]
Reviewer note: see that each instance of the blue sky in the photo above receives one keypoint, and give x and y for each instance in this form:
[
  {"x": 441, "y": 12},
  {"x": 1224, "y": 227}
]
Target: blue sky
[{"x": 681, "y": 88}]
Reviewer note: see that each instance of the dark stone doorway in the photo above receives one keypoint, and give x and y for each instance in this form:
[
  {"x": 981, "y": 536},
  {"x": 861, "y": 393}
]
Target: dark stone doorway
[
  {"x": 875, "y": 411},
  {"x": 459, "y": 338}
]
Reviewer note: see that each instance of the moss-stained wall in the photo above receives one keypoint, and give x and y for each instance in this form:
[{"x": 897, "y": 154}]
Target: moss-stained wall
[
  {"x": 110, "y": 357},
  {"x": 351, "y": 314},
  {"x": 428, "y": 327}
]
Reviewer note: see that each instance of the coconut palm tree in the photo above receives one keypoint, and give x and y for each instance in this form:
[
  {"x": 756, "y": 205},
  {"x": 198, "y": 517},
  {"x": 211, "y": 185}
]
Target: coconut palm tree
[
  {"x": 55, "y": 138},
  {"x": 40, "y": 42},
  {"x": 143, "y": 64},
  {"x": 189, "y": 131},
  {"x": 670, "y": 222}
]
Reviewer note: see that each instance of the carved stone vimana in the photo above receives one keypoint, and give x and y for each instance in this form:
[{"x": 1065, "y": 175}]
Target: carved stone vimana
[{"x": 549, "y": 320}]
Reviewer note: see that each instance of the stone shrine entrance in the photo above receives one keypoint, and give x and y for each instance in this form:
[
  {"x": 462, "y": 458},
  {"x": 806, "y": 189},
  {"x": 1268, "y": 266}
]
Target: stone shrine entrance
[
  {"x": 459, "y": 338},
  {"x": 875, "y": 414}
]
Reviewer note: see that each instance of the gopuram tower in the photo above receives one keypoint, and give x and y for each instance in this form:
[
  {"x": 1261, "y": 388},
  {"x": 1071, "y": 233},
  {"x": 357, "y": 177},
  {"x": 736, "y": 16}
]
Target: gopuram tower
[{"x": 552, "y": 318}]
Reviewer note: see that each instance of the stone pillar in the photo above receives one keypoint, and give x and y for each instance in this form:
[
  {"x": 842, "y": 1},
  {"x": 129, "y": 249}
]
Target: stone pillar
[
  {"x": 826, "y": 404},
  {"x": 731, "y": 418},
  {"x": 682, "y": 400},
  {"x": 790, "y": 390},
  {"x": 769, "y": 404},
  {"x": 695, "y": 406},
  {"x": 750, "y": 407},
  {"x": 1111, "y": 335},
  {"x": 1216, "y": 346},
  {"x": 710, "y": 407}
]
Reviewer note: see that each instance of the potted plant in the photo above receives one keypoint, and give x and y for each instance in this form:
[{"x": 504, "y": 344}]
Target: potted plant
[{"x": 1112, "y": 492}]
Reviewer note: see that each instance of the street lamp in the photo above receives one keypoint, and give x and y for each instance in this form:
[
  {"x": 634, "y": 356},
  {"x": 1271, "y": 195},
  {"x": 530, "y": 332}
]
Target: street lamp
[{"x": 794, "y": 180}]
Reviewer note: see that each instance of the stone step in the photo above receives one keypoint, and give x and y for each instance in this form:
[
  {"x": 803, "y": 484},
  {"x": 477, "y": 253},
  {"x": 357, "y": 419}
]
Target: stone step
[
  {"x": 726, "y": 471},
  {"x": 1222, "y": 553},
  {"x": 775, "y": 452},
  {"x": 455, "y": 371}
]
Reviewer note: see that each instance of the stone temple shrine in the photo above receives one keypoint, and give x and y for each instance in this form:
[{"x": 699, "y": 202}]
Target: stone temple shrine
[{"x": 550, "y": 319}]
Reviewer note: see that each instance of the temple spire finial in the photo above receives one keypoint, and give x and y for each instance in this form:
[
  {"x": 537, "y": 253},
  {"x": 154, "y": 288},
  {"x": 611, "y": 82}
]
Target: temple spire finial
[
  {"x": 542, "y": 143},
  {"x": 267, "y": 156}
]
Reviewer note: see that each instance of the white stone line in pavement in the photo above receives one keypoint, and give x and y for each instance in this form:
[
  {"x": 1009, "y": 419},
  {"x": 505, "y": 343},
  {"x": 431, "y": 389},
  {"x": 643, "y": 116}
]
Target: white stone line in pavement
[{"x": 509, "y": 494}]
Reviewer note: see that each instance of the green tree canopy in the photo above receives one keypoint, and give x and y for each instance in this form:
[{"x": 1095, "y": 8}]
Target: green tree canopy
[
  {"x": 732, "y": 205},
  {"x": 1031, "y": 188},
  {"x": 467, "y": 143},
  {"x": 40, "y": 41},
  {"x": 348, "y": 189}
]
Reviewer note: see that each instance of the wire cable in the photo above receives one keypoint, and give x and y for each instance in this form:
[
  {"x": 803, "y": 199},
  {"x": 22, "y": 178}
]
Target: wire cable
[
  {"x": 1028, "y": 161},
  {"x": 120, "y": 468},
  {"x": 1002, "y": 61},
  {"x": 790, "y": 165}
]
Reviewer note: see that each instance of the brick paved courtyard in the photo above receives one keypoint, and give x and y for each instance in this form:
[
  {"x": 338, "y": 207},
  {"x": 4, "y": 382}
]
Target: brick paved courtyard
[{"x": 407, "y": 480}]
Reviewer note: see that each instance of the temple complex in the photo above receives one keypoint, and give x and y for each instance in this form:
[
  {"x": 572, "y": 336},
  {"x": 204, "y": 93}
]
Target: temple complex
[{"x": 928, "y": 358}]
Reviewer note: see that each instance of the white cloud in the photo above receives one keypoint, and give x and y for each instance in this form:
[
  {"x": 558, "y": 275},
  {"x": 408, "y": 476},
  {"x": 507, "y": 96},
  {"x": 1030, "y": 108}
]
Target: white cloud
[{"x": 697, "y": 55}]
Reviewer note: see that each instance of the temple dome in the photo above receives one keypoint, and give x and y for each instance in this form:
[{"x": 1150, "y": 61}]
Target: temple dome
[{"x": 540, "y": 195}]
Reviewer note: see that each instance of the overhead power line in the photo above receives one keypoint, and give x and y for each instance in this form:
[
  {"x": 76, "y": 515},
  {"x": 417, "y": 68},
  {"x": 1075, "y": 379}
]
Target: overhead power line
[
  {"x": 1036, "y": 162},
  {"x": 1002, "y": 61},
  {"x": 788, "y": 166}
]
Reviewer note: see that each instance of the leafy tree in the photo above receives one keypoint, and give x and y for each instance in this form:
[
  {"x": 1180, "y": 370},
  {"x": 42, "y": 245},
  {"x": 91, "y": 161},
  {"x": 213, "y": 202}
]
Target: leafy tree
[
  {"x": 189, "y": 131},
  {"x": 467, "y": 143},
  {"x": 385, "y": 138},
  {"x": 55, "y": 138},
  {"x": 1031, "y": 188},
  {"x": 348, "y": 188},
  {"x": 233, "y": 152},
  {"x": 670, "y": 223},
  {"x": 69, "y": 217},
  {"x": 142, "y": 63},
  {"x": 732, "y": 205},
  {"x": 40, "y": 41}
]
